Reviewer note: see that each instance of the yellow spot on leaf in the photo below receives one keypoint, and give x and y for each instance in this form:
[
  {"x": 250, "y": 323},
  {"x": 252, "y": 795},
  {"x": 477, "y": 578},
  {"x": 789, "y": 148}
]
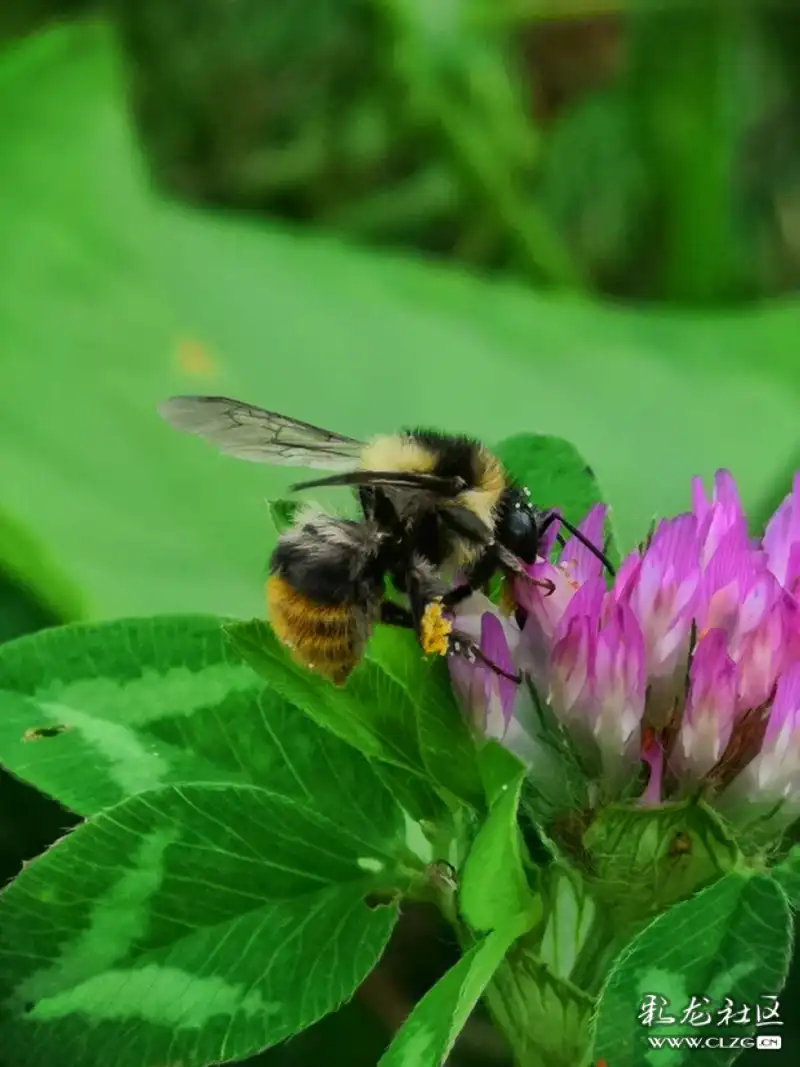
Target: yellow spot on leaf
[
  {"x": 37, "y": 733},
  {"x": 193, "y": 358}
]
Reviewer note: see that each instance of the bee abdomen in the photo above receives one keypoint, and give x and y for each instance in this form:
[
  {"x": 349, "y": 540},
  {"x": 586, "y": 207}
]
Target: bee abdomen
[{"x": 326, "y": 638}]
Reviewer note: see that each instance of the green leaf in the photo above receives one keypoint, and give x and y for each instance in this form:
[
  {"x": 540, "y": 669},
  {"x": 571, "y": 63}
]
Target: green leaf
[
  {"x": 787, "y": 875},
  {"x": 499, "y": 768},
  {"x": 447, "y": 746},
  {"x": 282, "y": 513},
  {"x": 570, "y": 909},
  {"x": 121, "y": 299},
  {"x": 731, "y": 940},
  {"x": 189, "y": 925},
  {"x": 493, "y": 882},
  {"x": 381, "y": 731},
  {"x": 659, "y": 855},
  {"x": 430, "y": 1031},
  {"x": 557, "y": 475},
  {"x": 545, "y": 1018},
  {"x": 147, "y": 702},
  {"x": 394, "y": 707},
  {"x": 412, "y": 793},
  {"x": 560, "y": 788}
]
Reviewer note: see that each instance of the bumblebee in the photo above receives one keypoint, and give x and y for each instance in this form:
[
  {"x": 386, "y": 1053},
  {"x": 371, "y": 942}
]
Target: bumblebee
[{"x": 433, "y": 505}]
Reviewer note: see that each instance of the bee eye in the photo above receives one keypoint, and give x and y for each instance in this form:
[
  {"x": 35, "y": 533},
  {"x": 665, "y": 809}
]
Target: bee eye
[
  {"x": 520, "y": 524},
  {"x": 519, "y": 531}
]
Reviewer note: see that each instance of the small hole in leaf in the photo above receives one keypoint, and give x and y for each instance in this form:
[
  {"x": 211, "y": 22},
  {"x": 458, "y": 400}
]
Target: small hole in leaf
[
  {"x": 442, "y": 874},
  {"x": 36, "y": 733},
  {"x": 28, "y": 1006},
  {"x": 681, "y": 845},
  {"x": 382, "y": 898}
]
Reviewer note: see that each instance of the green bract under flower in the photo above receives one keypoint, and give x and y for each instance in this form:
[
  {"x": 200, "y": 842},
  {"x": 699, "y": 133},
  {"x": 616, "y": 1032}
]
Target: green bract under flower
[{"x": 689, "y": 664}]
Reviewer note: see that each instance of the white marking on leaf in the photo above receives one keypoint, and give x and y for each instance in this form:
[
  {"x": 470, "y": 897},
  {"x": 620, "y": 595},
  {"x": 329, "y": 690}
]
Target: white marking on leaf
[
  {"x": 155, "y": 694},
  {"x": 368, "y": 863},
  {"x": 416, "y": 840},
  {"x": 131, "y": 766},
  {"x": 115, "y": 922},
  {"x": 166, "y": 996}
]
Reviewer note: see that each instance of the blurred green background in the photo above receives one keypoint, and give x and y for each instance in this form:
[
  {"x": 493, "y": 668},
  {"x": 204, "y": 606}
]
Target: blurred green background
[{"x": 579, "y": 217}]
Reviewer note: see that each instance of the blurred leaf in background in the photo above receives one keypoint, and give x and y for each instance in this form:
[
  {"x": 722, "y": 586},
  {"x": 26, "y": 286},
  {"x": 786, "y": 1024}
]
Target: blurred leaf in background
[
  {"x": 26, "y": 16},
  {"x": 645, "y": 150},
  {"x": 113, "y": 514},
  {"x": 575, "y": 143}
]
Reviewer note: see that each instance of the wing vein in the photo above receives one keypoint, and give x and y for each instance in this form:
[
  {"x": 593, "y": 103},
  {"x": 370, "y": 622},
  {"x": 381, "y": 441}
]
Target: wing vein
[{"x": 259, "y": 436}]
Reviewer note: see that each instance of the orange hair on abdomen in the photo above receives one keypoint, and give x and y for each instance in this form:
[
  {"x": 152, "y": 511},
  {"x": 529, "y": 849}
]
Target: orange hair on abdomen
[{"x": 324, "y": 638}]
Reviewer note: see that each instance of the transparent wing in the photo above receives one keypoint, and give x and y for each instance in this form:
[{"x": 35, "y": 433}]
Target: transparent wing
[{"x": 250, "y": 433}]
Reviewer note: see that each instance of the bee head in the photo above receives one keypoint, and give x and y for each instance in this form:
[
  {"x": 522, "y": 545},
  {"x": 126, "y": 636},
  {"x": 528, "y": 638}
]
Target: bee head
[{"x": 517, "y": 527}]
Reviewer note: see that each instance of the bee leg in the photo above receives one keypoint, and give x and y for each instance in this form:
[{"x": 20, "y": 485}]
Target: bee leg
[
  {"x": 513, "y": 568},
  {"x": 377, "y": 506},
  {"x": 425, "y": 592},
  {"x": 430, "y": 600},
  {"x": 366, "y": 499},
  {"x": 479, "y": 575},
  {"x": 461, "y": 645},
  {"x": 438, "y": 637},
  {"x": 435, "y": 631}
]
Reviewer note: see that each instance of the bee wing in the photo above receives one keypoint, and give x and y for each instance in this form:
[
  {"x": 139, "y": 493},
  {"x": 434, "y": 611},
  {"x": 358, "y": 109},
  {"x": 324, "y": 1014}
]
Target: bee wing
[
  {"x": 250, "y": 433},
  {"x": 389, "y": 480}
]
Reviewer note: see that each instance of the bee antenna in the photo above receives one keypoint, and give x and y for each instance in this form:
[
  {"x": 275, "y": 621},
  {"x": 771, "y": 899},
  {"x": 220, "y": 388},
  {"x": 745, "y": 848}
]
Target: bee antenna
[{"x": 584, "y": 540}]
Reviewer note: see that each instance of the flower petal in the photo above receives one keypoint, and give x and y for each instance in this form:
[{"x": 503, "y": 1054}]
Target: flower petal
[
  {"x": 773, "y": 776},
  {"x": 486, "y": 695},
  {"x": 709, "y": 714},
  {"x": 587, "y": 602},
  {"x": 733, "y": 572},
  {"x": 579, "y": 562},
  {"x": 662, "y": 589},
  {"x": 721, "y": 516},
  {"x": 547, "y": 608},
  {"x": 785, "y": 710},
  {"x": 781, "y": 539},
  {"x": 572, "y": 667},
  {"x": 612, "y": 664},
  {"x": 502, "y": 690},
  {"x": 618, "y": 685},
  {"x": 548, "y": 539}
]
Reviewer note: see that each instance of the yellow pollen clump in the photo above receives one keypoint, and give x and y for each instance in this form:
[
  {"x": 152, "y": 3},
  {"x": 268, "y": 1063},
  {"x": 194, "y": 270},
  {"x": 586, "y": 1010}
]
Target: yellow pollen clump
[{"x": 435, "y": 629}]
